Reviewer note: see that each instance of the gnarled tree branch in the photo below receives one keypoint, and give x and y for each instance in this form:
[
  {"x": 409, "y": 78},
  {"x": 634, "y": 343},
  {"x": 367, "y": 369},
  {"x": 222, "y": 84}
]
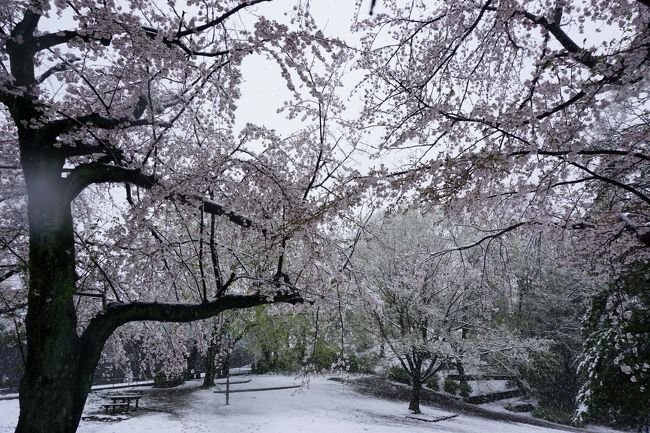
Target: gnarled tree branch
[{"x": 118, "y": 314}]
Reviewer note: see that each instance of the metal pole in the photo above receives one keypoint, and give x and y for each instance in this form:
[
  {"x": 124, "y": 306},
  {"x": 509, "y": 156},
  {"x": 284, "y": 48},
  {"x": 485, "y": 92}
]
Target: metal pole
[{"x": 227, "y": 386}]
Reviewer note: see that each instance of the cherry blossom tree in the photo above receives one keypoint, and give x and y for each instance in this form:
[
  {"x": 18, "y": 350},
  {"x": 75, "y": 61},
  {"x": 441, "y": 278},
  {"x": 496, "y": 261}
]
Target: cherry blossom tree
[
  {"x": 536, "y": 106},
  {"x": 139, "y": 94},
  {"x": 533, "y": 114}
]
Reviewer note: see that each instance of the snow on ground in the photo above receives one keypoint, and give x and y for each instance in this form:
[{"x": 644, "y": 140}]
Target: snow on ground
[{"x": 321, "y": 406}]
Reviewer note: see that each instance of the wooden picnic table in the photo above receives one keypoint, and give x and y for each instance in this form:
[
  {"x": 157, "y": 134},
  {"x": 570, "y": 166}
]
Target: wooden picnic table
[{"x": 119, "y": 400}]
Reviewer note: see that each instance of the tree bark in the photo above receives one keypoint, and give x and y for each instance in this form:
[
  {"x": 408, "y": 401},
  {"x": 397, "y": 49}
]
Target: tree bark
[
  {"x": 462, "y": 377},
  {"x": 414, "y": 364},
  {"x": 54, "y": 387},
  {"x": 416, "y": 387},
  {"x": 208, "y": 379},
  {"x": 191, "y": 362},
  {"x": 210, "y": 357}
]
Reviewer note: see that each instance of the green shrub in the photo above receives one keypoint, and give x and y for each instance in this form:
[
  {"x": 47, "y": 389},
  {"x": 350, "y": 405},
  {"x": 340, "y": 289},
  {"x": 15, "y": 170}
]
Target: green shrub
[
  {"x": 286, "y": 362},
  {"x": 398, "y": 374},
  {"x": 519, "y": 408},
  {"x": 162, "y": 380},
  {"x": 324, "y": 356},
  {"x": 554, "y": 415},
  {"x": 362, "y": 364},
  {"x": 616, "y": 353},
  {"x": 552, "y": 378},
  {"x": 450, "y": 386},
  {"x": 433, "y": 383},
  {"x": 465, "y": 389}
]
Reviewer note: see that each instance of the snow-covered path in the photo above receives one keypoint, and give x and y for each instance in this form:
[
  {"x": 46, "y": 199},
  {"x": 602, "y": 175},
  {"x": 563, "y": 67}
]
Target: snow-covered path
[{"x": 322, "y": 406}]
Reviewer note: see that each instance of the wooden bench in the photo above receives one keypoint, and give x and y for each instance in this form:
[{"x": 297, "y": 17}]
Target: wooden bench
[{"x": 114, "y": 407}]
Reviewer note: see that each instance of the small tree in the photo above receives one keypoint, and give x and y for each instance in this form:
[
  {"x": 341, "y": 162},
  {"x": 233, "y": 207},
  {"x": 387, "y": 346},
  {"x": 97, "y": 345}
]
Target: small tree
[{"x": 429, "y": 306}]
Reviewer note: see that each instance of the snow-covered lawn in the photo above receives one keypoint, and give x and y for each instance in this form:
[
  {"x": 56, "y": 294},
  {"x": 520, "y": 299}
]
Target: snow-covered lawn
[{"x": 321, "y": 406}]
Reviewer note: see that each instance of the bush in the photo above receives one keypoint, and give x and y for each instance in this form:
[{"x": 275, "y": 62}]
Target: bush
[
  {"x": 520, "y": 408},
  {"x": 552, "y": 378},
  {"x": 162, "y": 380},
  {"x": 324, "y": 357},
  {"x": 276, "y": 363},
  {"x": 362, "y": 364},
  {"x": 399, "y": 374},
  {"x": 465, "y": 389},
  {"x": 433, "y": 383},
  {"x": 450, "y": 385},
  {"x": 554, "y": 415},
  {"x": 261, "y": 366},
  {"x": 616, "y": 354}
]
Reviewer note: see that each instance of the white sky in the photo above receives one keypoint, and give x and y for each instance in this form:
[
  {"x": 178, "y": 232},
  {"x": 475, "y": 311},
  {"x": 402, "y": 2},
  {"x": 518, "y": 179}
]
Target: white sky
[{"x": 264, "y": 90}]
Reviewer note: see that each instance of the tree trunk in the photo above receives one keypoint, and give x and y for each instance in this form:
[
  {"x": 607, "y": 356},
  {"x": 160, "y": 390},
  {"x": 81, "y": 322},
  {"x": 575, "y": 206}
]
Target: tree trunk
[
  {"x": 53, "y": 389},
  {"x": 210, "y": 357},
  {"x": 414, "y": 403},
  {"x": 192, "y": 359},
  {"x": 462, "y": 378}
]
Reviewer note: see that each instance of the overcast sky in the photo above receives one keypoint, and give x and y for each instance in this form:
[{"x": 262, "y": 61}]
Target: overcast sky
[{"x": 264, "y": 89}]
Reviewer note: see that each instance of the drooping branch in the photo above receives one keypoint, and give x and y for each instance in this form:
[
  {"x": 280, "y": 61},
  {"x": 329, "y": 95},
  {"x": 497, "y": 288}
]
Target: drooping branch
[
  {"x": 614, "y": 182},
  {"x": 493, "y": 235}
]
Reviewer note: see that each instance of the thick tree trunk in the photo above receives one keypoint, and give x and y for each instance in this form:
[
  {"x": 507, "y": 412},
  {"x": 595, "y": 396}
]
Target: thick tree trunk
[
  {"x": 53, "y": 389},
  {"x": 414, "y": 403}
]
